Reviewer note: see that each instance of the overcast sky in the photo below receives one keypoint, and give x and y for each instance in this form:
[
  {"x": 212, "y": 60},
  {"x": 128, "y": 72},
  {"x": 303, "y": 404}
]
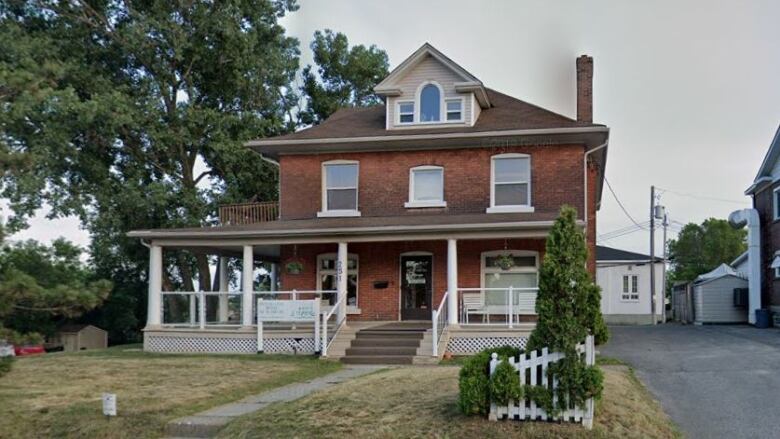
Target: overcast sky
[{"x": 690, "y": 90}]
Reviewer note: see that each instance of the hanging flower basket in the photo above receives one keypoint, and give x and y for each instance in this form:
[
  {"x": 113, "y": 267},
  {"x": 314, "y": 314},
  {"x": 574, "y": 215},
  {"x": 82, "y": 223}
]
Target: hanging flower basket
[
  {"x": 504, "y": 262},
  {"x": 294, "y": 267}
]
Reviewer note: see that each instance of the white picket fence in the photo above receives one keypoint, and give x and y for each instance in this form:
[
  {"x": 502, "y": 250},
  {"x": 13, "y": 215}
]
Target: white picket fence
[{"x": 535, "y": 366}]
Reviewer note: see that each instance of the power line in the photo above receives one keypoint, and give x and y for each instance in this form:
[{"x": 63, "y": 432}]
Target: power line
[
  {"x": 623, "y": 208},
  {"x": 702, "y": 197}
]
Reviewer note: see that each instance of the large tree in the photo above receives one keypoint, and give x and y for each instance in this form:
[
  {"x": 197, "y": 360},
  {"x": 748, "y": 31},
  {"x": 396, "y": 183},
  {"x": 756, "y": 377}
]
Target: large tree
[
  {"x": 700, "y": 248},
  {"x": 132, "y": 115},
  {"x": 41, "y": 285},
  {"x": 345, "y": 76}
]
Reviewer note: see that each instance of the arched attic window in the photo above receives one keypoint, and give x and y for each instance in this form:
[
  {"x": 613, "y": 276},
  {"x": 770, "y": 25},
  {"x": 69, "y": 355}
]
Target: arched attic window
[{"x": 430, "y": 103}]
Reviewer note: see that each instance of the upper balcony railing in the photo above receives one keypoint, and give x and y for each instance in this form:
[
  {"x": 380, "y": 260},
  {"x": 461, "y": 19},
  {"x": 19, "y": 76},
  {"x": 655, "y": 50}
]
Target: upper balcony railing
[{"x": 248, "y": 213}]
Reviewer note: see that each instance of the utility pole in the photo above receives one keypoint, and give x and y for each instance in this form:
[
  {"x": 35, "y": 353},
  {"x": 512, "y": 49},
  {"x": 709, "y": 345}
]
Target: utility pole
[
  {"x": 652, "y": 254},
  {"x": 663, "y": 267}
]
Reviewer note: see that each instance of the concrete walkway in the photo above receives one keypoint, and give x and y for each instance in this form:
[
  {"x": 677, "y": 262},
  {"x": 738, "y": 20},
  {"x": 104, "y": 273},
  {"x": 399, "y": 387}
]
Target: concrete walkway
[{"x": 207, "y": 424}]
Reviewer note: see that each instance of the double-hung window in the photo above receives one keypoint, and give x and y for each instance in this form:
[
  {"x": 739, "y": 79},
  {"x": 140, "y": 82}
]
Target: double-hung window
[
  {"x": 776, "y": 203},
  {"x": 339, "y": 188},
  {"x": 426, "y": 187},
  {"x": 405, "y": 112},
  {"x": 630, "y": 287},
  {"x": 510, "y": 183},
  {"x": 454, "y": 110}
]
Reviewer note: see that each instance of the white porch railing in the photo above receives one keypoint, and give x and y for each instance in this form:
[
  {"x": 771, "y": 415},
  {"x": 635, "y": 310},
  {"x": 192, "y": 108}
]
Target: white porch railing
[
  {"x": 439, "y": 322},
  {"x": 223, "y": 309},
  {"x": 532, "y": 368},
  {"x": 325, "y": 344},
  {"x": 503, "y": 305}
]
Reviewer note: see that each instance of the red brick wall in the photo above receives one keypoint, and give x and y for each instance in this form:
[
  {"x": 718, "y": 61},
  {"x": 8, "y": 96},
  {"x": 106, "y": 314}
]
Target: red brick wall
[
  {"x": 381, "y": 262},
  {"x": 770, "y": 242},
  {"x": 556, "y": 179}
]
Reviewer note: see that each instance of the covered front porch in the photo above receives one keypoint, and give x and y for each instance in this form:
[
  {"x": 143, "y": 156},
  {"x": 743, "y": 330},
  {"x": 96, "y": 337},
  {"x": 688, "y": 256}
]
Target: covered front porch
[{"x": 471, "y": 288}]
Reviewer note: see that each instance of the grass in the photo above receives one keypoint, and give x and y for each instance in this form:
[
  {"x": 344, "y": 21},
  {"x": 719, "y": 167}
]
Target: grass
[
  {"x": 415, "y": 402},
  {"x": 59, "y": 395}
]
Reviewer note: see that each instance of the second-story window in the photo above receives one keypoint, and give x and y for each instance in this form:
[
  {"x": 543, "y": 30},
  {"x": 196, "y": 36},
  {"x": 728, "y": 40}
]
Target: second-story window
[
  {"x": 405, "y": 112},
  {"x": 430, "y": 103},
  {"x": 340, "y": 188},
  {"x": 510, "y": 183},
  {"x": 426, "y": 187}
]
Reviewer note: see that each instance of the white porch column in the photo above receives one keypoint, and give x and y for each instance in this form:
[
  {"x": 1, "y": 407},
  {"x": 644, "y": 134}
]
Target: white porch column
[
  {"x": 341, "y": 270},
  {"x": 154, "y": 309},
  {"x": 274, "y": 268},
  {"x": 452, "y": 281},
  {"x": 223, "y": 288},
  {"x": 247, "y": 285}
]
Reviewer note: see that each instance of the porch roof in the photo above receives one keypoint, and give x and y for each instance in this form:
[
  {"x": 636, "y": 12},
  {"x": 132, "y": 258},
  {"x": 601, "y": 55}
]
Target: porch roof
[{"x": 399, "y": 226}]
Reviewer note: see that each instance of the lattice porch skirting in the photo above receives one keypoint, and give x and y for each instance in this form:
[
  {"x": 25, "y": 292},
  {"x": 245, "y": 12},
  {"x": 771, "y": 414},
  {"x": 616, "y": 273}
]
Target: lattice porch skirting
[
  {"x": 472, "y": 345},
  {"x": 226, "y": 344}
]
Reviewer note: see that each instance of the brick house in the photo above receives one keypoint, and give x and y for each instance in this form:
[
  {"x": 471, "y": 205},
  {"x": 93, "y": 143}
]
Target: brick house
[
  {"x": 438, "y": 203},
  {"x": 765, "y": 192}
]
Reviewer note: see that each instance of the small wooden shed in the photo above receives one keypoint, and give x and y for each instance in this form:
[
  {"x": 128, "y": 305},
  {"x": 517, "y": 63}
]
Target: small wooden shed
[
  {"x": 79, "y": 337},
  {"x": 715, "y": 299}
]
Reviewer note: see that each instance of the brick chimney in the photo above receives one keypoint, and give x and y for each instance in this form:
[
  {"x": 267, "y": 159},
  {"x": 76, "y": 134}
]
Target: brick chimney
[{"x": 585, "y": 89}]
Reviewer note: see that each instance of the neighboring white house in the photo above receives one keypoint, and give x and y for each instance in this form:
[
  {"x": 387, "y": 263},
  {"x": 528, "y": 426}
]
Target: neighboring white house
[{"x": 624, "y": 278}]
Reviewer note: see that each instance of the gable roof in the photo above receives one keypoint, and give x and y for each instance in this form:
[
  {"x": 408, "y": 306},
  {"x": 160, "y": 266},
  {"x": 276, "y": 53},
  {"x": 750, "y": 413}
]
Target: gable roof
[
  {"x": 470, "y": 82},
  {"x": 604, "y": 254},
  {"x": 723, "y": 270},
  {"x": 764, "y": 174}
]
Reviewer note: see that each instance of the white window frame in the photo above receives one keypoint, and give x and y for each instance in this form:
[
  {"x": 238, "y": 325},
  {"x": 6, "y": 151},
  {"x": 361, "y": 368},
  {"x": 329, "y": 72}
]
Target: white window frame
[
  {"x": 398, "y": 112},
  {"x": 418, "y": 104},
  {"x": 325, "y": 212},
  {"x": 484, "y": 269},
  {"x": 413, "y": 203},
  {"x": 517, "y": 208},
  {"x": 632, "y": 295},
  {"x": 462, "y": 110},
  {"x": 334, "y": 272},
  {"x": 775, "y": 205},
  {"x": 777, "y": 272}
]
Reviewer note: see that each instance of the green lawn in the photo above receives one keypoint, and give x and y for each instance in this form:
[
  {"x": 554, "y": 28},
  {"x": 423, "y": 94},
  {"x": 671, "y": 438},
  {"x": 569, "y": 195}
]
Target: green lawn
[
  {"x": 421, "y": 402},
  {"x": 59, "y": 395}
]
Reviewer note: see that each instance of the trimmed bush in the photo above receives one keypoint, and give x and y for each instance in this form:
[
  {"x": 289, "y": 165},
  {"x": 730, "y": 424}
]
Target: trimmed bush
[
  {"x": 474, "y": 380},
  {"x": 505, "y": 384}
]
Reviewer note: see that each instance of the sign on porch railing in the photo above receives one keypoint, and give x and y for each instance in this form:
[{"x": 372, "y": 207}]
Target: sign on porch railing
[
  {"x": 532, "y": 368},
  {"x": 288, "y": 311}
]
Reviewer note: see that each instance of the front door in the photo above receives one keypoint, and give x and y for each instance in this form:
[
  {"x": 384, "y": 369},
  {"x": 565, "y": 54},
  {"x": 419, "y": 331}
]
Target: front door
[{"x": 416, "y": 287}]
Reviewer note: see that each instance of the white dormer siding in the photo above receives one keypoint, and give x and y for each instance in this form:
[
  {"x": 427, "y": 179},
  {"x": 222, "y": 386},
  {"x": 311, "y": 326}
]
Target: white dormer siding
[{"x": 429, "y": 70}]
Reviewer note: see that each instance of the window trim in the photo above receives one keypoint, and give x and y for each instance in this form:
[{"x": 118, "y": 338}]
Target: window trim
[
  {"x": 325, "y": 212},
  {"x": 775, "y": 204},
  {"x": 418, "y": 104},
  {"x": 398, "y": 112},
  {"x": 633, "y": 281},
  {"x": 483, "y": 269},
  {"x": 513, "y": 208},
  {"x": 412, "y": 203},
  {"x": 356, "y": 271},
  {"x": 462, "y": 108}
]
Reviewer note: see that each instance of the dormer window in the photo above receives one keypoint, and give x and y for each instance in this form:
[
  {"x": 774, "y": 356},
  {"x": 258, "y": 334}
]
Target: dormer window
[
  {"x": 406, "y": 112},
  {"x": 454, "y": 110},
  {"x": 430, "y": 103}
]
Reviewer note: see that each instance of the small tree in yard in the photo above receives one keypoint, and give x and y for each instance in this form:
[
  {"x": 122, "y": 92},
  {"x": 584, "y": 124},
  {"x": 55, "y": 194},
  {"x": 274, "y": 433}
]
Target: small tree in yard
[{"x": 568, "y": 306}]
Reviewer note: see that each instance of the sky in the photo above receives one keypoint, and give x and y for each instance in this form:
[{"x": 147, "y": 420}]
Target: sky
[{"x": 690, "y": 90}]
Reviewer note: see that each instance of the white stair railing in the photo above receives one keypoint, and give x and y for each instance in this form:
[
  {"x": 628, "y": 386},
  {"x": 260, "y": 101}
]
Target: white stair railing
[
  {"x": 325, "y": 317},
  {"x": 439, "y": 321}
]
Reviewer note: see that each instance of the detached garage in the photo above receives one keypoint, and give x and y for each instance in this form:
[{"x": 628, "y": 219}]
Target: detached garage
[{"x": 720, "y": 296}]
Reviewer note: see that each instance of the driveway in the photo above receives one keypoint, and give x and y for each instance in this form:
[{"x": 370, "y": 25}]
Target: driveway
[{"x": 714, "y": 381}]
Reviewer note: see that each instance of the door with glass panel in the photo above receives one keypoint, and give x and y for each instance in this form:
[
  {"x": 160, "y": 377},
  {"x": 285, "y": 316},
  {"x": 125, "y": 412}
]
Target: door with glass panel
[{"x": 416, "y": 288}]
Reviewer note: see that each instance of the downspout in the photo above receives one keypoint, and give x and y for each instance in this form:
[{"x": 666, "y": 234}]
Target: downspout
[
  {"x": 585, "y": 169},
  {"x": 749, "y": 217},
  {"x": 278, "y": 182}
]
